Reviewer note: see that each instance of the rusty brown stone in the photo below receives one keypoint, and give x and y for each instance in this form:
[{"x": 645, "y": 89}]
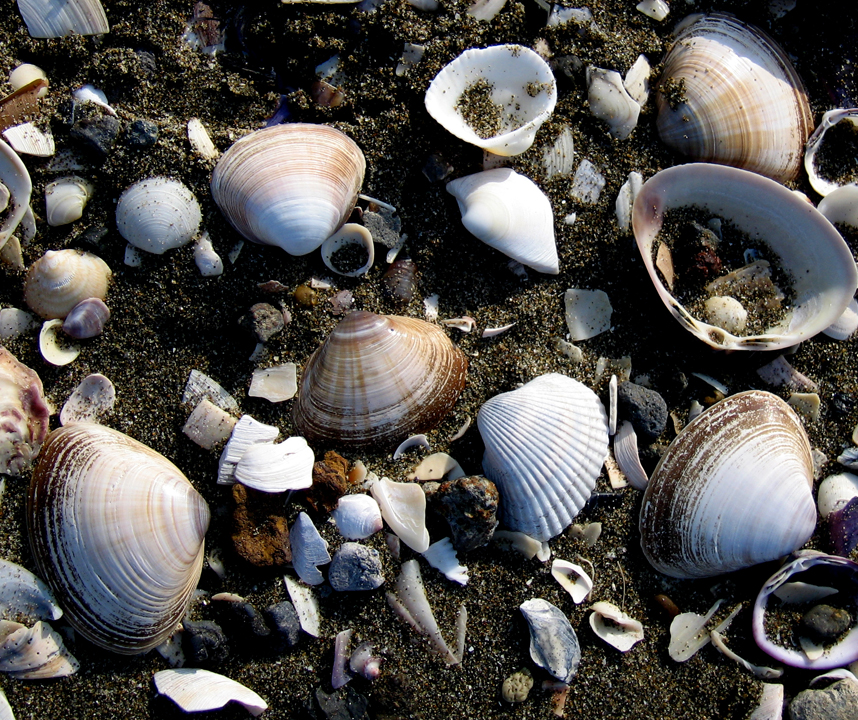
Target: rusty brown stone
[
  {"x": 330, "y": 482},
  {"x": 260, "y": 533}
]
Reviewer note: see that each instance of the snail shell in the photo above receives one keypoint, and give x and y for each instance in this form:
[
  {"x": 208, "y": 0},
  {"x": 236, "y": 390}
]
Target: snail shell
[
  {"x": 117, "y": 532},
  {"x": 60, "y": 279},
  {"x": 377, "y": 379},
  {"x": 158, "y": 214},
  {"x": 289, "y": 185},
  {"x": 732, "y": 490},
  {"x": 738, "y": 100}
]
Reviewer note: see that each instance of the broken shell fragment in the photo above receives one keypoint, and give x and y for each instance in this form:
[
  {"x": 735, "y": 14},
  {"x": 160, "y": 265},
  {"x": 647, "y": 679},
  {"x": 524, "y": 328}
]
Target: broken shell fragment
[
  {"x": 615, "y": 627},
  {"x": 35, "y": 653},
  {"x": 15, "y": 178},
  {"x": 573, "y": 579},
  {"x": 276, "y": 468},
  {"x": 442, "y": 556},
  {"x": 25, "y": 596},
  {"x": 246, "y": 433},
  {"x": 158, "y": 214},
  {"x": 208, "y": 425},
  {"x": 553, "y": 643},
  {"x": 91, "y": 399},
  {"x": 24, "y": 414},
  {"x": 610, "y": 101},
  {"x": 829, "y": 120},
  {"x": 196, "y": 690},
  {"x": 53, "y": 19},
  {"x": 60, "y": 279},
  {"x": 275, "y": 384},
  {"x": 403, "y": 506},
  {"x": 588, "y": 313},
  {"x": 838, "y": 505},
  {"x": 309, "y": 550},
  {"x": 346, "y": 239}
]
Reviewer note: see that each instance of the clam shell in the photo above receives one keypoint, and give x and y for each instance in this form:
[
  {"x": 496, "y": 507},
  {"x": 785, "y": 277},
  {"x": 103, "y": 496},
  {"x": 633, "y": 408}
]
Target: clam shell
[
  {"x": 831, "y": 118},
  {"x": 349, "y": 234},
  {"x": 15, "y": 178},
  {"x": 60, "y": 279},
  {"x": 807, "y": 245},
  {"x": 737, "y": 101},
  {"x": 377, "y": 379},
  {"x": 66, "y": 198},
  {"x": 545, "y": 446},
  {"x": 158, "y": 214},
  {"x": 291, "y": 186},
  {"x": 357, "y": 516},
  {"x": 123, "y": 558},
  {"x": 509, "y": 212},
  {"x": 57, "y": 18},
  {"x": 86, "y": 319},
  {"x": 732, "y": 490},
  {"x": 24, "y": 414}
]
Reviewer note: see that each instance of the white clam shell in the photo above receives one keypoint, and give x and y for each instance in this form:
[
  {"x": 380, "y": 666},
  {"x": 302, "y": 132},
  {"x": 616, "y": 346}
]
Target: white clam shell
[
  {"x": 60, "y": 279},
  {"x": 291, "y": 185},
  {"x": 615, "y": 627},
  {"x": 57, "y": 18},
  {"x": 509, "y": 212},
  {"x": 276, "y": 468},
  {"x": 357, "y": 516},
  {"x": 158, "y": 214},
  {"x": 523, "y": 92},
  {"x": 545, "y": 446},
  {"x": 610, "y": 101},
  {"x": 807, "y": 246},
  {"x": 403, "y": 506},
  {"x": 831, "y": 118},
  {"x": 196, "y": 690},
  {"x": 349, "y": 234},
  {"x": 123, "y": 558},
  {"x": 55, "y": 351},
  {"x": 732, "y": 490},
  {"x": 35, "y": 653}
]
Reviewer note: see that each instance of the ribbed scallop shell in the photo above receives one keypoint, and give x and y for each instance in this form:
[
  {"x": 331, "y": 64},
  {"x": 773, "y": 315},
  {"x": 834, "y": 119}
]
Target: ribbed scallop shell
[
  {"x": 377, "y": 379},
  {"x": 57, "y": 18},
  {"x": 545, "y": 446},
  {"x": 60, "y": 279},
  {"x": 742, "y": 102},
  {"x": 732, "y": 490},
  {"x": 117, "y": 532},
  {"x": 289, "y": 185},
  {"x": 158, "y": 214}
]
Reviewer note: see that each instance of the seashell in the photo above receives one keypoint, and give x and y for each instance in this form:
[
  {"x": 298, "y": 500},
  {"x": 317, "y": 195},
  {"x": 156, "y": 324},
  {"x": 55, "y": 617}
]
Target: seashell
[
  {"x": 399, "y": 281},
  {"x": 656, "y": 9},
  {"x": 509, "y": 88},
  {"x": 628, "y": 458},
  {"x": 339, "y": 677},
  {"x": 60, "y": 279},
  {"x": 276, "y": 468},
  {"x": 122, "y": 558},
  {"x": 196, "y": 690},
  {"x": 688, "y": 633},
  {"x": 52, "y": 349},
  {"x": 291, "y": 186},
  {"x": 377, "y": 378},
  {"x": 573, "y": 579},
  {"x": 838, "y": 505},
  {"x": 158, "y": 214},
  {"x": 403, "y": 506},
  {"x": 35, "y": 653},
  {"x": 15, "y": 178},
  {"x": 357, "y": 516},
  {"x": 91, "y": 94},
  {"x": 553, "y": 643},
  {"x": 545, "y": 446},
  {"x": 588, "y": 313},
  {"x": 23, "y": 595},
  {"x": 306, "y": 606},
  {"x": 208, "y": 261},
  {"x": 86, "y": 319},
  {"x": 610, "y": 101},
  {"x": 200, "y": 385},
  {"x": 24, "y": 414},
  {"x": 509, "y": 212},
  {"x": 66, "y": 198},
  {"x": 28, "y": 139},
  {"x": 732, "y": 490},
  {"x": 275, "y": 384},
  {"x": 92, "y": 398},
  {"x": 438, "y": 467},
  {"x": 410, "y": 442},
  {"x": 807, "y": 246},
  {"x": 201, "y": 142},
  {"x": 356, "y": 236},
  {"x": 363, "y": 662},
  {"x": 728, "y": 94},
  {"x": 26, "y": 73},
  {"x": 841, "y": 206},
  {"x": 615, "y": 627},
  {"x": 246, "y": 433},
  {"x": 58, "y": 18},
  {"x": 831, "y": 118},
  {"x": 208, "y": 425},
  {"x": 558, "y": 159},
  {"x": 309, "y": 549},
  {"x": 441, "y": 555}
]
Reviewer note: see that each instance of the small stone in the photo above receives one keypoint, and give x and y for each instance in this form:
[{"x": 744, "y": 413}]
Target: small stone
[
  {"x": 343, "y": 704},
  {"x": 97, "y": 134},
  {"x": 244, "y": 621},
  {"x": 516, "y": 687},
  {"x": 95, "y": 236},
  {"x": 644, "y": 408},
  {"x": 355, "y": 567},
  {"x": 384, "y": 226},
  {"x": 826, "y": 623},
  {"x": 842, "y": 404},
  {"x": 141, "y": 134},
  {"x": 436, "y": 168},
  {"x": 204, "y": 643},
  {"x": 305, "y": 295},
  {"x": 469, "y": 505},
  {"x": 330, "y": 482},
  {"x": 148, "y": 63},
  {"x": 838, "y": 701},
  {"x": 283, "y": 620},
  {"x": 260, "y": 532},
  {"x": 263, "y": 321}
]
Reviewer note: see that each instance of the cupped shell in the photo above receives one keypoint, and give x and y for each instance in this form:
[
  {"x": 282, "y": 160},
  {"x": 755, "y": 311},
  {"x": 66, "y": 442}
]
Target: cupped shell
[
  {"x": 729, "y": 94},
  {"x": 807, "y": 246},
  {"x": 823, "y": 185},
  {"x": 545, "y": 446},
  {"x": 60, "y": 279},
  {"x": 377, "y": 379},
  {"x": 291, "y": 185},
  {"x": 117, "y": 532},
  {"x": 732, "y": 490},
  {"x": 65, "y": 199},
  {"x": 158, "y": 214}
]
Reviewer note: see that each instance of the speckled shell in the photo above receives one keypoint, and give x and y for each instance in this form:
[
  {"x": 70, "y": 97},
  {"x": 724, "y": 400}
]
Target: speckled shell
[
  {"x": 60, "y": 279},
  {"x": 291, "y": 185},
  {"x": 732, "y": 490},
  {"x": 117, "y": 532},
  {"x": 377, "y": 379},
  {"x": 158, "y": 214},
  {"x": 743, "y": 104}
]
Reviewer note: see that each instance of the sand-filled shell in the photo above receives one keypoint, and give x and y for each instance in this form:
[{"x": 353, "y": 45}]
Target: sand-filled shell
[
  {"x": 732, "y": 490},
  {"x": 807, "y": 246},
  {"x": 729, "y": 94},
  {"x": 545, "y": 445},
  {"x": 60, "y": 279},
  {"x": 158, "y": 214},
  {"x": 377, "y": 379},
  {"x": 117, "y": 532},
  {"x": 291, "y": 186}
]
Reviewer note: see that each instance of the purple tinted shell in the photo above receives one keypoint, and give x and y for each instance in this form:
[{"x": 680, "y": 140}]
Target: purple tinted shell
[{"x": 87, "y": 319}]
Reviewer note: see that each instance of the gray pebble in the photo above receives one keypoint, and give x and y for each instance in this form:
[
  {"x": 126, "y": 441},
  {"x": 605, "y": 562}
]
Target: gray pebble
[
  {"x": 384, "y": 226},
  {"x": 263, "y": 321},
  {"x": 97, "y": 134},
  {"x": 825, "y": 622},
  {"x": 141, "y": 134},
  {"x": 204, "y": 643},
  {"x": 355, "y": 567},
  {"x": 644, "y": 408},
  {"x": 342, "y": 704},
  {"x": 283, "y": 620},
  {"x": 469, "y": 505},
  {"x": 838, "y": 701}
]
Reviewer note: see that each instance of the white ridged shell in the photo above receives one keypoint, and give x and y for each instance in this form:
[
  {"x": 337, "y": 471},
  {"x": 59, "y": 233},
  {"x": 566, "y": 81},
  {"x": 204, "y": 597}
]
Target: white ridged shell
[
  {"x": 357, "y": 516},
  {"x": 195, "y": 690},
  {"x": 276, "y": 468},
  {"x": 291, "y": 185},
  {"x": 732, "y": 490},
  {"x": 60, "y": 279},
  {"x": 65, "y": 199},
  {"x": 158, "y": 214},
  {"x": 545, "y": 446},
  {"x": 509, "y": 212},
  {"x": 57, "y": 18}
]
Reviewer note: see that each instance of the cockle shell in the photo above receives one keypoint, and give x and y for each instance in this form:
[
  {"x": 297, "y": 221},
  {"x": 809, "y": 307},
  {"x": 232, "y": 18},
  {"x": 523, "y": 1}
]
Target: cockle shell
[
  {"x": 123, "y": 558},
  {"x": 545, "y": 446},
  {"x": 66, "y": 198},
  {"x": 60, "y": 279},
  {"x": 158, "y": 214},
  {"x": 357, "y": 516},
  {"x": 729, "y": 94},
  {"x": 289, "y": 185},
  {"x": 377, "y": 379},
  {"x": 807, "y": 246},
  {"x": 24, "y": 414},
  {"x": 57, "y": 18},
  {"x": 732, "y": 490},
  {"x": 509, "y": 212}
]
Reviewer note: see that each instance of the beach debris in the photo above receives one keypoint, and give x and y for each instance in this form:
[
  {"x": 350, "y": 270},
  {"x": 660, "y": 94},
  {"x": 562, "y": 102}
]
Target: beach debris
[
  {"x": 573, "y": 579},
  {"x": 516, "y": 687},
  {"x": 306, "y": 606},
  {"x": 24, "y": 413},
  {"x": 35, "y": 653},
  {"x": 355, "y": 568},
  {"x": 197, "y": 690},
  {"x": 469, "y": 505},
  {"x": 309, "y": 550},
  {"x": 403, "y": 507},
  {"x": 588, "y": 313},
  {"x": 93, "y": 397},
  {"x": 441, "y": 556}
]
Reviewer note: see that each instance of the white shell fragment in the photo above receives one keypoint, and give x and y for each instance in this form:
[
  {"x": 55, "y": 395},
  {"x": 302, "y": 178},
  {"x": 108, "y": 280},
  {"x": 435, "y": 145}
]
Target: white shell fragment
[
  {"x": 306, "y": 606},
  {"x": 196, "y": 690},
  {"x": 558, "y": 158},
  {"x": 91, "y": 94},
  {"x": 65, "y": 199},
  {"x": 829, "y": 120},
  {"x": 414, "y": 441},
  {"x": 201, "y": 386},
  {"x": 276, "y": 468},
  {"x": 15, "y": 322},
  {"x": 627, "y": 456},
  {"x": 688, "y": 633},
  {"x": 771, "y": 705},
  {"x": 442, "y": 556},
  {"x": 207, "y": 260},
  {"x": 350, "y": 234},
  {"x": 16, "y": 179},
  {"x": 636, "y": 81},
  {"x": 845, "y": 326},
  {"x": 158, "y": 214},
  {"x": 529, "y": 547},
  {"x": 90, "y": 400},
  {"x": 25, "y": 596},
  {"x": 841, "y": 206},
  {"x": 50, "y": 19},
  {"x": 588, "y": 313},
  {"x": 403, "y": 507},
  {"x": 29, "y": 139},
  {"x": 357, "y": 516},
  {"x": 247, "y": 432},
  {"x": 275, "y": 384},
  {"x": 208, "y": 425},
  {"x": 200, "y": 141},
  {"x": 587, "y": 183},
  {"x": 35, "y": 653},
  {"x": 553, "y": 643},
  {"x": 615, "y": 627},
  {"x": 779, "y": 373},
  {"x": 438, "y": 467},
  {"x": 50, "y": 346},
  {"x": 610, "y": 101},
  {"x": 626, "y": 200},
  {"x": 309, "y": 550},
  {"x": 26, "y": 73},
  {"x": 658, "y": 10},
  {"x": 573, "y": 579}
]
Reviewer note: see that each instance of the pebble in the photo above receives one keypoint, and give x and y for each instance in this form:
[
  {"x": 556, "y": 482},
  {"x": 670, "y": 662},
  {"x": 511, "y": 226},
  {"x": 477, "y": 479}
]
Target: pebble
[
  {"x": 516, "y": 687},
  {"x": 343, "y": 704},
  {"x": 141, "y": 134},
  {"x": 283, "y": 620},
  {"x": 644, "y": 408},
  {"x": 97, "y": 134},
  {"x": 838, "y": 701},
  {"x": 260, "y": 533},
  {"x": 469, "y": 505},
  {"x": 842, "y": 404},
  {"x": 355, "y": 567},
  {"x": 204, "y": 643},
  {"x": 263, "y": 321},
  {"x": 330, "y": 482},
  {"x": 244, "y": 621},
  {"x": 825, "y": 622},
  {"x": 384, "y": 226}
]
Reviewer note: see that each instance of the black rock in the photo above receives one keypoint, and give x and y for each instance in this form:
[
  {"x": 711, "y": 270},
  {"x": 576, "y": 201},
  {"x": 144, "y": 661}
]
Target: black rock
[
  {"x": 824, "y": 622},
  {"x": 838, "y": 701},
  {"x": 842, "y": 404},
  {"x": 355, "y": 567},
  {"x": 469, "y": 505},
  {"x": 644, "y": 408},
  {"x": 342, "y": 704},
  {"x": 97, "y": 134},
  {"x": 204, "y": 643},
  {"x": 243, "y": 622},
  {"x": 285, "y": 625},
  {"x": 141, "y": 134}
]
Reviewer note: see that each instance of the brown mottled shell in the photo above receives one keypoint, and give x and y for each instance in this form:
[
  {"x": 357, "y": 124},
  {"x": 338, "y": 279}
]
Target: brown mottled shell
[
  {"x": 377, "y": 379},
  {"x": 60, "y": 279},
  {"x": 117, "y": 532}
]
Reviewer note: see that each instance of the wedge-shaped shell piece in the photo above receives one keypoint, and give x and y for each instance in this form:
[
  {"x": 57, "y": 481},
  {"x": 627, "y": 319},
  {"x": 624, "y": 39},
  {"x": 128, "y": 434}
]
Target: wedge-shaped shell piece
[
  {"x": 729, "y": 94},
  {"x": 509, "y": 212},
  {"x": 545, "y": 445},
  {"x": 509, "y": 87},
  {"x": 158, "y": 214},
  {"x": 196, "y": 690},
  {"x": 553, "y": 643},
  {"x": 291, "y": 185},
  {"x": 123, "y": 558},
  {"x": 35, "y": 653},
  {"x": 732, "y": 490},
  {"x": 377, "y": 379},
  {"x": 573, "y": 579},
  {"x": 309, "y": 550},
  {"x": 807, "y": 246},
  {"x": 615, "y": 627},
  {"x": 23, "y": 595},
  {"x": 276, "y": 468},
  {"x": 92, "y": 398},
  {"x": 357, "y": 516},
  {"x": 60, "y": 279},
  {"x": 403, "y": 506},
  {"x": 57, "y": 18},
  {"x": 24, "y": 414}
]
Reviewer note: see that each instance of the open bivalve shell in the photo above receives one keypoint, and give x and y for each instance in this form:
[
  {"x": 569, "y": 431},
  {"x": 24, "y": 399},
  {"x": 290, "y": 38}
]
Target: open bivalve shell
[
  {"x": 15, "y": 177},
  {"x": 66, "y": 198},
  {"x": 291, "y": 185},
  {"x": 732, "y": 490},
  {"x": 729, "y": 94},
  {"x": 60, "y": 279},
  {"x": 158, "y": 214},
  {"x": 513, "y": 87},
  {"x": 807, "y": 246},
  {"x": 377, "y": 379},
  {"x": 123, "y": 558},
  {"x": 545, "y": 446},
  {"x": 823, "y": 185}
]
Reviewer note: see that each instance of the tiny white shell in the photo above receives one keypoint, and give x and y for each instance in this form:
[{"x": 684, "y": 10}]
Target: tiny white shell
[
  {"x": 410, "y": 442},
  {"x": 200, "y": 141},
  {"x": 349, "y": 234},
  {"x": 615, "y": 627},
  {"x": 636, "y": 81},
  {"x": 92, "y": 398},
  {"x": 276, "y": 468},
  {"x": 656, "y": 9},
  {"x": 54, "y": 18},
  {"x": 91, "y": 94},
  {"x": 558, "y": 158},
  {"x": 158, "y": 214},
  {"x": 628, "y": 458},
  {"x": 207, "y": 260},
  {"x": 441, "y": 555},
  {"x": 688, "y": 633},
  {"x": 573, "y": 579},
  {"x": 208, "y": 425},
  {"x": 588, "y": 313},
  {"x": 841, "y": 205},
  {"x": 835, "y": 492},
  {"x": 26, "y": 73},
  {"x": 275, "y": 384},
  {"x": 610, "y": 101},
  {"x": 626, "y": 200},
  {"x": 403, "y": 506},
  {"x": 357, "y": 516},
  {"x": 196, "y": 690},
  {"x": 52, "y": 350}
]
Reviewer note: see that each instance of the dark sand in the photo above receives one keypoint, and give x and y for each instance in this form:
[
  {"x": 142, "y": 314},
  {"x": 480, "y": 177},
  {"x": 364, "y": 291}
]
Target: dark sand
[{"x": 168, "y": 320}]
